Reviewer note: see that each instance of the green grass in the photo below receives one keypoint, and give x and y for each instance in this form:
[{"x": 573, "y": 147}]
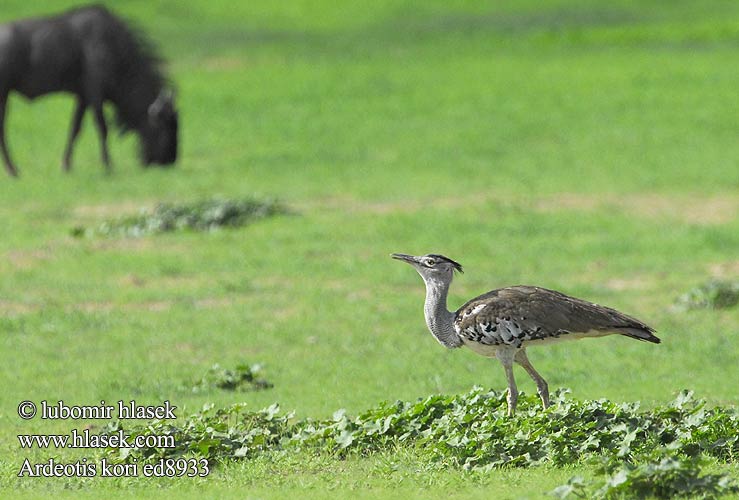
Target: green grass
[{"x": 573, "y": 145}]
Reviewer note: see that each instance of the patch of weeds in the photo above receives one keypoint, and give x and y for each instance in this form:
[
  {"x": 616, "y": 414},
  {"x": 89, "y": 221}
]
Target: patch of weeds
[
  {"x": 470, "y": 431},
  {"x": 666, "y": 477},
  {"x": 231, "y": 432},
  {"x": 242, "y": 378},
  {"x": 714, "y": 294},
  {"x": 205, "y": 215}
]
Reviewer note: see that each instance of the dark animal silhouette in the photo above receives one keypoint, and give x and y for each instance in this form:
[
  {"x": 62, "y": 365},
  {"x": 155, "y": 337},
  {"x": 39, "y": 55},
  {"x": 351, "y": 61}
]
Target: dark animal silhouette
[{"x": 92, "y": 54}]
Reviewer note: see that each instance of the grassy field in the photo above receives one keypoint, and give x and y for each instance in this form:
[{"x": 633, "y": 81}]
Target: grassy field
[{"x": 583, "y": 146}]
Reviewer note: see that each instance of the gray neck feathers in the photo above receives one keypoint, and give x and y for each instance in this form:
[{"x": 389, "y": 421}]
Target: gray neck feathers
[{"x": 439, "y": 320}]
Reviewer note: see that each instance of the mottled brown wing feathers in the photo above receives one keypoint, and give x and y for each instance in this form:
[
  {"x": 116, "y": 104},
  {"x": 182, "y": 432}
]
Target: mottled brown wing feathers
[{"x": 518, "y": 314}]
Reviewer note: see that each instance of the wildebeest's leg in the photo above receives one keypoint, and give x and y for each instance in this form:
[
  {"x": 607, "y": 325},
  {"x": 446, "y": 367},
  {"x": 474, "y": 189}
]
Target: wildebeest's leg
[
  {"x": 79, "y": 112},
  {"x": 97, "y": 107},
  {"x": 3, "y": 147}
]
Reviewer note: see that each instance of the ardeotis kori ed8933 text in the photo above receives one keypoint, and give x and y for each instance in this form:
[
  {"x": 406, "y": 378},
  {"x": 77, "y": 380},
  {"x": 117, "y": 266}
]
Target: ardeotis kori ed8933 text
[{"x": 503, "y": 322}]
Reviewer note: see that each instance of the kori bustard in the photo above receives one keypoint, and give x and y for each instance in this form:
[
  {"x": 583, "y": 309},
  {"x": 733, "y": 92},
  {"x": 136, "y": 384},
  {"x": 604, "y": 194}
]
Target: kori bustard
[{"x": 503, "y": 322}]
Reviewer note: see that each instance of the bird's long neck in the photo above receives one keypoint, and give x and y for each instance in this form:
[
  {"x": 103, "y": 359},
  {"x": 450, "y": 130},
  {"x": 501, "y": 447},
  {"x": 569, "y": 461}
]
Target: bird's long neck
[{"x": 438, "y": 318}]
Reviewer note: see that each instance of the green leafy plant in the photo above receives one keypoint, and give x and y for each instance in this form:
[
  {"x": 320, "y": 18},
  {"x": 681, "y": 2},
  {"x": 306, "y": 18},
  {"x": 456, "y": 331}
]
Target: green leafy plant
[
  {"x": 242, "y": 378},
  {"x": 472, "y": 431},
  {"x": 213, "y": 434},
  {"x": 205, "y": 215},
  {"x": 665, "y": 477},
  {"x": 714, "y": 294}
]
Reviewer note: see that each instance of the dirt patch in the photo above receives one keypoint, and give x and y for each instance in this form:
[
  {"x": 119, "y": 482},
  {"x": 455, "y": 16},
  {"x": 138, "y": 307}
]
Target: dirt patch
[
  {"x": 105, "y": 306},
  {"x": 728, "y": 269},
  {"x": 132, "y": 244},
  {"x": 184, "y": 347},
  {"x": 28, "y": 258},
  {"x": 12, "y": 309},
  {"x": 132, "y": 280},
  {"x": 155, "y": 306},
  {"x": 176, "y": 282},
  {"x": 568, "y": 201},
  {"x": 213, "y": 302},
  {"x": 703, "y": 211},
  {"x": 622, "y": 284},
  {"x": 108, "y": 210},
  {"x": 92, "y": 307},
  {"x": 388, "y": 207},
  {"x": 708, "y": 210}
]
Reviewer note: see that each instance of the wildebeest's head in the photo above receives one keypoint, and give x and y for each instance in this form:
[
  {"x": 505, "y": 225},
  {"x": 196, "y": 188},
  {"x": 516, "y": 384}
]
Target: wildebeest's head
[{"x": 159, "y": 134}]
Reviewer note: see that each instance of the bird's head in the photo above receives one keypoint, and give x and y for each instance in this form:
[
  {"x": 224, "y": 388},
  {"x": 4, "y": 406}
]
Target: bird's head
[{"x": 431, "y": 267}]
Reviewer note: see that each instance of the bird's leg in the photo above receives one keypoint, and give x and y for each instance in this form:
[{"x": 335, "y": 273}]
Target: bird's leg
[
  {"x": 512, "y": 390},
  {"x": 506, "y": 357},
  {"x": 541, "y": 384}
]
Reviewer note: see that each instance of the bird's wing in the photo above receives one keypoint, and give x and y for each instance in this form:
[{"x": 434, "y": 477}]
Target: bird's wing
[{"x": 510, "y": 316}]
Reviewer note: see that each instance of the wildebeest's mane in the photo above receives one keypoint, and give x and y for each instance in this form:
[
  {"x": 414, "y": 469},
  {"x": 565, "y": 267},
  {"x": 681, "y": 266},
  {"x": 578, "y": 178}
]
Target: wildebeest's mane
[{"x": 137, "y": 70}]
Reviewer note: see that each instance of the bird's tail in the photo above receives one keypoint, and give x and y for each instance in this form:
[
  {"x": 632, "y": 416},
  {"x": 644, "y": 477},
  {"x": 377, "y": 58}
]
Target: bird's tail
[{"x": 646, "y": 334}]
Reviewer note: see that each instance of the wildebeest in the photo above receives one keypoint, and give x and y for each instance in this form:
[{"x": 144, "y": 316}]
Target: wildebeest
[{"x": 94, "y": 55}]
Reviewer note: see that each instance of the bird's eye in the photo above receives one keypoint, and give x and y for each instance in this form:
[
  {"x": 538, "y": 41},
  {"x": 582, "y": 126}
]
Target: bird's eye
[{"x": 430, "y": 262}]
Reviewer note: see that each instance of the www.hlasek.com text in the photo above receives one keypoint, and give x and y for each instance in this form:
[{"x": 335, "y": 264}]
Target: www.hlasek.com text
[{"x": 87, "y": 439}]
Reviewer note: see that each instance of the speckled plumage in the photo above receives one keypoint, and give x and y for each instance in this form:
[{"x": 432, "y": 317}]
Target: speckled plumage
[
  {"x": 526, "y": 315},
  {"x": 503, "y": 322}
]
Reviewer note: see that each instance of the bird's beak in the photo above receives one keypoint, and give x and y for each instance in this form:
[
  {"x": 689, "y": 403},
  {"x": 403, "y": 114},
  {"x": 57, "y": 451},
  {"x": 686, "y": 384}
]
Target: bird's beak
[{"x": 410, "y": 259}]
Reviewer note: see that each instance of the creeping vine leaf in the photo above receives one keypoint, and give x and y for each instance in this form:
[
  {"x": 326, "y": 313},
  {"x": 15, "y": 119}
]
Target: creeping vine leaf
[{"x": 469, "y": 430}]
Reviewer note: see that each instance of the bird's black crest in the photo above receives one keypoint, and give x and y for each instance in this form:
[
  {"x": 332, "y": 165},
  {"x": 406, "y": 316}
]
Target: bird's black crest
[{"x": 457, "y": 265}]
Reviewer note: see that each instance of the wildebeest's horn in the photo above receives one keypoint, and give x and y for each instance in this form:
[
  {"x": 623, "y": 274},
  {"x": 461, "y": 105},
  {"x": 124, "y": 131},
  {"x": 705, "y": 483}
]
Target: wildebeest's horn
[
  {"x": 164, "y": 101},
  {"x": 156, "y": 107}
]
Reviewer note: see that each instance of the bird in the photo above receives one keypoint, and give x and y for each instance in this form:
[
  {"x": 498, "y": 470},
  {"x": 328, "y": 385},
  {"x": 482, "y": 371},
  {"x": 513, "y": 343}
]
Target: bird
[{"x": 503, "y": 322}]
